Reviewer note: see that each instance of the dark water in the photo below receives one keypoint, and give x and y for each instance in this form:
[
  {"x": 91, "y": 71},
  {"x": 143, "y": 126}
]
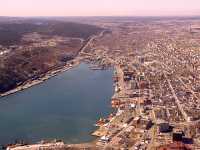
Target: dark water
[{"x": 64, "y": 107}]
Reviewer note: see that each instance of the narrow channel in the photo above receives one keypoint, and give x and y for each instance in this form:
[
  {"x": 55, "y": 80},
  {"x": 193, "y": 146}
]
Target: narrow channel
[{"x": 64, "y": 107}]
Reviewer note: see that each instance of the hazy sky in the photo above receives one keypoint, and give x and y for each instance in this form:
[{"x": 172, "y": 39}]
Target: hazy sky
[{"x": 98, "y": 7}]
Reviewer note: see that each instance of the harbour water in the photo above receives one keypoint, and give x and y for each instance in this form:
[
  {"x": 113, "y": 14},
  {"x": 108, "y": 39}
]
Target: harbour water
[{"x": 64, "y": 107}]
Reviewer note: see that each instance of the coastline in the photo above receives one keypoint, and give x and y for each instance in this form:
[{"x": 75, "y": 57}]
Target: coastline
[
  {"x": 52, "y": 73},
  {"x": 48, "y": 75}
]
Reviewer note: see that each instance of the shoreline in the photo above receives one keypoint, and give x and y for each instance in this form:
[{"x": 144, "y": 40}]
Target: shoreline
[
  {"x": 76, "y": 61},
  {"x": 29, "y": 83}
]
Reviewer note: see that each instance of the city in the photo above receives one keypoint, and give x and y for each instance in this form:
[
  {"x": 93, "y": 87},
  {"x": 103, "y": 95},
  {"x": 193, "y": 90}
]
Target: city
[{"x": 156, "y": 84}]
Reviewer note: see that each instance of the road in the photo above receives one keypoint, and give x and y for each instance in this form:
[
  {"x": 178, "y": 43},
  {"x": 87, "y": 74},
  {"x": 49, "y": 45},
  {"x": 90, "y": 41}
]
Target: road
[{"x": 185, "y": 116}]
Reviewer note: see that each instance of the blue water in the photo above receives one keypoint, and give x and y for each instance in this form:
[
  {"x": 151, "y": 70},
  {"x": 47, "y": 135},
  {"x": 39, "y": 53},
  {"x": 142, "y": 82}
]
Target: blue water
[{"x": 64, "y": 107}]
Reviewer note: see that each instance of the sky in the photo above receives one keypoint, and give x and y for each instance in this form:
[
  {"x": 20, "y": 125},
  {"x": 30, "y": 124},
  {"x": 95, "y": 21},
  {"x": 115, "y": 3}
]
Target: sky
[{"x": 99, "y": 7}]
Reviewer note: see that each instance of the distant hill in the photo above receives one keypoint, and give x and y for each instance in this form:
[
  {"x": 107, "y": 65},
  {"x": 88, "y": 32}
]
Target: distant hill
[{"x": 11, "y": 32}]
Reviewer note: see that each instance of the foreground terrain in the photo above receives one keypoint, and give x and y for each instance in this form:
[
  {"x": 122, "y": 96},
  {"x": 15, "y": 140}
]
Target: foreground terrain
[{"x": 156, "y": 78}]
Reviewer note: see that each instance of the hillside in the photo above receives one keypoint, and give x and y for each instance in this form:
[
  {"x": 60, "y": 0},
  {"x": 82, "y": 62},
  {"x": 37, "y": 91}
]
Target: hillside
[{"x": 31, "y": 48}]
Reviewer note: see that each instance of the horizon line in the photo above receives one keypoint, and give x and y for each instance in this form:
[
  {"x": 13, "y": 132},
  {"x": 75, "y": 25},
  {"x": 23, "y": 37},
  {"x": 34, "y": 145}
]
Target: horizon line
[{"x": 37, "y": 16}]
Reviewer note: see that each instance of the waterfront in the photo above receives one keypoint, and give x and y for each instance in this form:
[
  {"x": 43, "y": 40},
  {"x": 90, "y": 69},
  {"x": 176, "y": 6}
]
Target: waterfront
[{"x": 64, "y": 107}]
